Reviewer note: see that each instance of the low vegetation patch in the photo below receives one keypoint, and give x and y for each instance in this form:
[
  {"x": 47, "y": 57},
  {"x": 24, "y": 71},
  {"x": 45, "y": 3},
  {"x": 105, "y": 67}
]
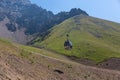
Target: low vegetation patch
[{"x": 25, "y": 53}]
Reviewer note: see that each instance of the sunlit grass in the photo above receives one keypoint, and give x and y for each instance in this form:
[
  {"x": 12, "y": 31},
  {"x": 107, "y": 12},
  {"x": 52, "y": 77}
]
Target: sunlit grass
[{"x": 92, "y": 38}]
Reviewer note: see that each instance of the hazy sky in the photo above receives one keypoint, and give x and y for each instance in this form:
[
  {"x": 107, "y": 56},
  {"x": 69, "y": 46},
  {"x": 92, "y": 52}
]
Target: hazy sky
[{"x": 105, "y": 9}]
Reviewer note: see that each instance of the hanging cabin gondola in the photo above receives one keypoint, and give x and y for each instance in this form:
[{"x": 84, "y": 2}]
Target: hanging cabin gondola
[{"x": 68, "y": 43}]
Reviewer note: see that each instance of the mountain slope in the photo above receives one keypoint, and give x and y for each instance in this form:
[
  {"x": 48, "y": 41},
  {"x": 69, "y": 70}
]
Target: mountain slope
[
  {"x": 20, "y": 19},
  {"x": 18, "y": 62},
  {"x": 92, "y": 38}
]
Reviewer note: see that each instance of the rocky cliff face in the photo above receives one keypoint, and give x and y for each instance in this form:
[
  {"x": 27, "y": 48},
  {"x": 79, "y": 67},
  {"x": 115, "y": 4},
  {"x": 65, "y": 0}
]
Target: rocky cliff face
[
  {"x": 12, "y": 7},
  {"x": 9, "y": 12}
]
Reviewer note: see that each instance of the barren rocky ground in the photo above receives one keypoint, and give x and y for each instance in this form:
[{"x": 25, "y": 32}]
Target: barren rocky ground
[{"x": 38, "y": 67}]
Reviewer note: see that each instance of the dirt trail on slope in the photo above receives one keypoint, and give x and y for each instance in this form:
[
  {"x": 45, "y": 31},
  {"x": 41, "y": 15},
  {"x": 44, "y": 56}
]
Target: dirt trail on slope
[
  {"x": 40, "y": 67},
  {"x": 112, "y": 63}
]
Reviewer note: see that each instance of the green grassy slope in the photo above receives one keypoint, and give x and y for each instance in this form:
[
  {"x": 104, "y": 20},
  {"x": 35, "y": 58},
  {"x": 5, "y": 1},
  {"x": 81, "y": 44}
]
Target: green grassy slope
[
  {"x": 92, "y": 38},
  {"x": 19, "y": 62},
  {"x": 26, "y": 51}
]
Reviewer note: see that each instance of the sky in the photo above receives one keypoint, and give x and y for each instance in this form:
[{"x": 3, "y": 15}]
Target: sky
[{"x": 104, "y": 9}]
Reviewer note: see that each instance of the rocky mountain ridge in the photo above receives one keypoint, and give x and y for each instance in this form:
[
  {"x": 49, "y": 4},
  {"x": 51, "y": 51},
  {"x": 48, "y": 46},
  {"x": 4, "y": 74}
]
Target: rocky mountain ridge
[{"x": 21, "y": 19}]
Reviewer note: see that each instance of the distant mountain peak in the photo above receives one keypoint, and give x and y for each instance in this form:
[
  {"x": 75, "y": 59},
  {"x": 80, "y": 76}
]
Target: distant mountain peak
[
  {"x": 76, "y": 11},
  {"x": 24, "y": 2}
]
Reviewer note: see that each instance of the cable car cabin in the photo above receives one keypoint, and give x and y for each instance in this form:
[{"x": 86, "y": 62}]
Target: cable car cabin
[{"x": 68, "y": 45}]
